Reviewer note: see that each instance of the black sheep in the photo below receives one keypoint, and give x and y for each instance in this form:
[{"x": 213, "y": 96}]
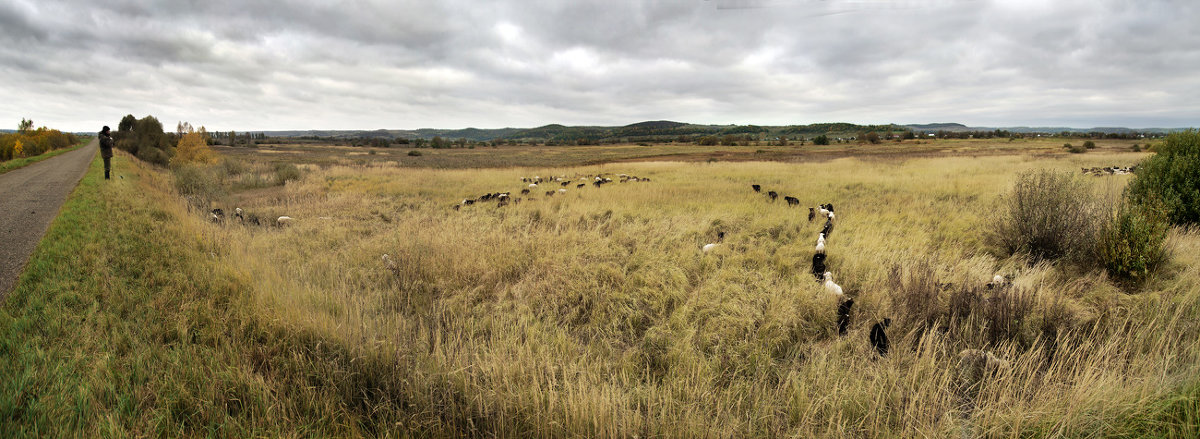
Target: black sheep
[
  {"x": 843, "y": 316},
  {"x": 879, "y": 338},
  {"x": 818, "y": 266},
  {"x": 828, "y": 229},
  {"x": 773, "y": 195},
  {"x": 756, "y": 187},
  {"x": 812, "y": 213},
  {"x": 792, "y": 201}
]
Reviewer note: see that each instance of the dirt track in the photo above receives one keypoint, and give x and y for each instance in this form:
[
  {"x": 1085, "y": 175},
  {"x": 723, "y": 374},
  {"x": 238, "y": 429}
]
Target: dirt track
[{"x": 30, "y": 198}]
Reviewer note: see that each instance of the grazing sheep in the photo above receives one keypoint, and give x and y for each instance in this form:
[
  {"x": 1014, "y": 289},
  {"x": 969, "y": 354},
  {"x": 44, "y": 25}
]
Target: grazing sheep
[
  {"x": 710, "y": 247},
  {"x": 828, "y": 229},
  {"x": 821, "y": 243},
  {"x": 831, "y": 287},
  {"x": 580, "y": 185},
  {"x": 532, "y": 185},
  {"x": 998, "y": 281},
  {"x": 975, "y": 365},
  {"x": 818, "y": 266},
  {"x": 823, "y": 211},
  {"x": 388, "y": 264},
  {"x": 456, "y": 206},
  {"x": 772, "y": 195},
  {"x": 843, "y": 316},
  {"x": 237, "y": 213},
  {"x": 756, "y": 187},
  {"x": 525, "y": 191},
  {"x": 830, "y": 217},
  {"x": 812, "y": 213},
  {"x": 550, "y": 193},
  {"x": 879, "y": 338},
  {"x": 284, "y": 221},
  {"x": 562, "y": 191},
  {"x": 792, "y": 201},
  {"x": 468, "y": 202}
]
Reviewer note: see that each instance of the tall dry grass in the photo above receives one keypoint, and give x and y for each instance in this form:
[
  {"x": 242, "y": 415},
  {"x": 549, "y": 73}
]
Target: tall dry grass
[{"x": 594, "y": 313}]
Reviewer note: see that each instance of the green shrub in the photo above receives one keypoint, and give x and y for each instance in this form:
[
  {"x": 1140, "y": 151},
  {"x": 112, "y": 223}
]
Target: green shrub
[
  {"x": 821, "y": 140},
  {"x": 285, "y": 172},
  {"x": 1077, "y": 149},
  {"x": 1133, "y": 243},
  {"x": 1089, "y": 144},
  {"x": 1136, "y": 148},
  {"x": 414, "y": 153},
  {"x": 1047, "y": 215},
  {"x": 1171, "y": 178}
]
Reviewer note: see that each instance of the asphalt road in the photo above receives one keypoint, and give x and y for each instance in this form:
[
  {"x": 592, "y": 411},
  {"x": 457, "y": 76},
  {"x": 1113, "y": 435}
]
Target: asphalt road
[{"x": 30, "y": 198}]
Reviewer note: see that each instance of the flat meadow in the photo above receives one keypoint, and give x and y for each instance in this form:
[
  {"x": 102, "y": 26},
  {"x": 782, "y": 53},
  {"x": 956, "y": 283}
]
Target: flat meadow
[{"x": 594, "y": 312}]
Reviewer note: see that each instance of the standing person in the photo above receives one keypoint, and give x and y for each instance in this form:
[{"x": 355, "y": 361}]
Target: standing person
[{"x": 106, "y": 146}]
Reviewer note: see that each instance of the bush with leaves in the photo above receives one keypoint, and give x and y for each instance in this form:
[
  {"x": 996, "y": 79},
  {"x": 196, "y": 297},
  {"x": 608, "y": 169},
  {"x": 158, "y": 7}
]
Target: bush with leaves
[
  {"x": 1047, "y": 215},
  {"x": 1133, "y": 242},
  {"x": 1171, "y": 178},
  {"x": 145, "y": 139}
]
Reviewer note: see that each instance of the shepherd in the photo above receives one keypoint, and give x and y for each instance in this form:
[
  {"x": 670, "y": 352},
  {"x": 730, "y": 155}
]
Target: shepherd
[{"x": 106, "y": 146}]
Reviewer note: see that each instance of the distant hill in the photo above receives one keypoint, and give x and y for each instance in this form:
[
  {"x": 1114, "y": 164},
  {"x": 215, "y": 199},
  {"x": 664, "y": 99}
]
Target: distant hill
[
  {"x": 659, "y": 130},
  {"x": 955, "y": 127}
]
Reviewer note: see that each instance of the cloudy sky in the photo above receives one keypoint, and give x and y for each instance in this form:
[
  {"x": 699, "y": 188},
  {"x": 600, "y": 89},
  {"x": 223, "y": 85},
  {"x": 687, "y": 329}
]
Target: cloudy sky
[{"x": 313, "y": 64}]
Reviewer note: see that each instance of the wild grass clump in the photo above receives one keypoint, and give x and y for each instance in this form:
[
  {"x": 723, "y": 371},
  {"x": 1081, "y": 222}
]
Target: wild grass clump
[
  {"x": 1171, "y": 178},
  {"x": 1076, "y": 149},
  {"x": 198, "y": 182},
  {"x": 1048, "y": 215}
]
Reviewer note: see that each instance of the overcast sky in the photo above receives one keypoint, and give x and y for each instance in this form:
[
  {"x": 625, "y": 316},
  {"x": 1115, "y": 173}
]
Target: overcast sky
[{"x": 311, "y": 64}]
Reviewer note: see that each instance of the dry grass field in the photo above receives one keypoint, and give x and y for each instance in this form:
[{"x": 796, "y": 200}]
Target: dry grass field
[
  {"x": 557, "y": 156},
  {"x": 595, "y": 313}
]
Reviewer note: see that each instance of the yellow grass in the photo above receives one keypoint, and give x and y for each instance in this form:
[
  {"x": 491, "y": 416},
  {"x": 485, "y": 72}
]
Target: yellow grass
[{"x": 594, "y": 313}]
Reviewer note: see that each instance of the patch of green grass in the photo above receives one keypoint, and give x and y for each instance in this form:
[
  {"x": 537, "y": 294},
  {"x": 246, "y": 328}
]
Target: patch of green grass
[{"x": 26, "y": 161}]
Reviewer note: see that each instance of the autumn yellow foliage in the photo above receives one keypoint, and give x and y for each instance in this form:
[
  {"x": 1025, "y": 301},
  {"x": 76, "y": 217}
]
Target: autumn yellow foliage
[
  {"x": 193, "y": 148},
  {"x": 30, "y": 143}
]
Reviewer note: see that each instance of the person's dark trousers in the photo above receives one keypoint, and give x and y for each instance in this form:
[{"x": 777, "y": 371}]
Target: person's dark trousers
[{"x": 107, "y": 166}]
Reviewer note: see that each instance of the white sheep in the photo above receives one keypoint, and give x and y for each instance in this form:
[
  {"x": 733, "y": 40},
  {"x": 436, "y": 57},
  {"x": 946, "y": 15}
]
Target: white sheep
[
  {"x": 998, "y": 281},
  {"x": 831, "y": 287},
  {"x": 562, "y": 191},
  {"x": 710, "y": 247},
  {"x": 532, "y": 185},
  {"x": 821, "y": 244},
  {"x": 283, "y": 220},
  {"x": 824, "y": 212},
  {"x": 831, "y": 216},
  {"x": 387, "y": 263}
]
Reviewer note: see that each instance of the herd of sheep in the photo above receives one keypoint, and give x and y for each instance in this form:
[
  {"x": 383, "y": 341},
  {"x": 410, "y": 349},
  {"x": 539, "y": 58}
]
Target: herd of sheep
[
  {"x": 1109, "y": 170},
  {"x": 973, "y": 364},
  {"x": 535, "y": 184}
]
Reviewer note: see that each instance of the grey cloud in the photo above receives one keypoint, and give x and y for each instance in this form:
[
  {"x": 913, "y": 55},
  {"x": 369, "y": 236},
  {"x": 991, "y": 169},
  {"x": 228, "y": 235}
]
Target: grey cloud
[{"x": 374, "y": 64}]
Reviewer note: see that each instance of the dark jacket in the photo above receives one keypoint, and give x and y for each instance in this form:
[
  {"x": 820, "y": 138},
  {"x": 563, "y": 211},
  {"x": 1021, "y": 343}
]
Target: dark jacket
[{"x": 106, "y": 145}]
